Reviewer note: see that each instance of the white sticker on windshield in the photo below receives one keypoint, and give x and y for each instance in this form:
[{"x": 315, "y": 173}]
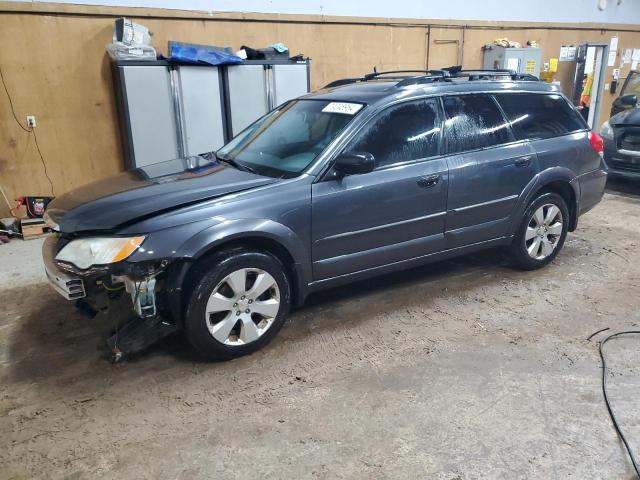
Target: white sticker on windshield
[{"x": 343, "y": 107}]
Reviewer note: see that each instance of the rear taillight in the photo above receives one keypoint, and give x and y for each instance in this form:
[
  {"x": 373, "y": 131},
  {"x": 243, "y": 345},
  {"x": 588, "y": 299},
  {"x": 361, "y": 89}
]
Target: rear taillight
[{"x": 596, "y": 142}]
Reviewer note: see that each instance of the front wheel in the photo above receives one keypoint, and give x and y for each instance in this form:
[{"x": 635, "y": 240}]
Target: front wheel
[
  {"x": 542, "y": 232},
  {"x": 239, "y": 302}
]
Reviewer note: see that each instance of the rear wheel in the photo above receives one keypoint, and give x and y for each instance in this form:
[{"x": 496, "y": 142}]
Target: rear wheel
[
  {"x": 542, "y": 232},
  {"x": 239, "y": 302}
]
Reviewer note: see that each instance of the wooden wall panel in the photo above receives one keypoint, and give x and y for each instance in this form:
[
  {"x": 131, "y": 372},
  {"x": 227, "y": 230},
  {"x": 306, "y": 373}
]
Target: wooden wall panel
[
  {"x": 445, "y": 47},
  {"x": 55, "y": 68}
]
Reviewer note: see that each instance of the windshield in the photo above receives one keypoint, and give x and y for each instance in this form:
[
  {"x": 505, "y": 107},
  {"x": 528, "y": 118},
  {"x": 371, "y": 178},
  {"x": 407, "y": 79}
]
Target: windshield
[
  {"x": 285, "y": 141},
  {"x": 632, "y": 85}
]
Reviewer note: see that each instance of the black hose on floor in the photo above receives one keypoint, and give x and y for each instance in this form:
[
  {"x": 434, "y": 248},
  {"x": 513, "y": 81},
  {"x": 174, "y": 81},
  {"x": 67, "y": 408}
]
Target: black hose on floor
[{"x": 606, "y": 397}]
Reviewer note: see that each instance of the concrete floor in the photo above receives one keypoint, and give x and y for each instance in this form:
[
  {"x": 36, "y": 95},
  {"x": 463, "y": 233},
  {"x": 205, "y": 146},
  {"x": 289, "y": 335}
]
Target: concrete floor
[{"x": 465, "y": 369}]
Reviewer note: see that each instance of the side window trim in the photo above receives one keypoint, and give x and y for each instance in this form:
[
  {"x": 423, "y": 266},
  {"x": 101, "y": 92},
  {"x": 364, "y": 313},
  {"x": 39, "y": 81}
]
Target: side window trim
[{"x": 507, "y": 122}]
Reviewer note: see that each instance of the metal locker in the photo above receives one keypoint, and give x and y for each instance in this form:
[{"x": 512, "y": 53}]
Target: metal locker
[
  {"x": 170, "y": 111},
  {"x": 290, "y": 81},
  {"x": 522, "y": 60},
  {"x": 246, "y": 95},
  {"x": 201, "y": 104},
  {"x": 150, "y": 125}
]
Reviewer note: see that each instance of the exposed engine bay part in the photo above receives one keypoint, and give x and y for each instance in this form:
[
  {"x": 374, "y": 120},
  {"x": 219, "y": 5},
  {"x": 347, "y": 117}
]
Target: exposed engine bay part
[
  {"x": 138, "y": 334},
  {"x": 143, "y": 295}
]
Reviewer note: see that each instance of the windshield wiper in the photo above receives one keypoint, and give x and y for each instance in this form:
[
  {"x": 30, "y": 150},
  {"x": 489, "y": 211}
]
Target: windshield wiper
[{"x": 235, "y": 163}]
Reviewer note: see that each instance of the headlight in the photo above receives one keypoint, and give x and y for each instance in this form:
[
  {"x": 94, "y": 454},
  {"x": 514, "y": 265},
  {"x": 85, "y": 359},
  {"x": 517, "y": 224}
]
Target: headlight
[
  {"x": 606, "y": 131},
  {"x": 86, "y": 252}
]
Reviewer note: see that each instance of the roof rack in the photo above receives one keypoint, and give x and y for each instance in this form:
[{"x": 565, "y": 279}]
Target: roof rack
[
  {"x": 441, "y": 75},
  {"x": 429, "y": 76},
  {"x": 483, "y": 74},
  {"x": 375, "y": 75},
  {"x": 400, "y": 75}
]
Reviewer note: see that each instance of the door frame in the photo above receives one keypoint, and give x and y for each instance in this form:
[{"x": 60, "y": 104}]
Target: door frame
[{"x": 598, "y": 82}]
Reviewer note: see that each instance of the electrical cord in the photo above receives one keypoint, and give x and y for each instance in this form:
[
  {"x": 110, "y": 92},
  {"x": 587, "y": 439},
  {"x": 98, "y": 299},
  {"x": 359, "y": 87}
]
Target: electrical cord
[
  {"x": 4, "y": 195},
  {"x": 28, "y": 130},
  {"x": 606, "y": 396},
  {"x": 46, "y": 173}
]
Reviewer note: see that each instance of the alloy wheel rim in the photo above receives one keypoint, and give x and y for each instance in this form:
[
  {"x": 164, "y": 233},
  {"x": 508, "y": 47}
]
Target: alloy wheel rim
[
  {"x": 242, "y": 307},
  {"x": 543, "y": 231}
]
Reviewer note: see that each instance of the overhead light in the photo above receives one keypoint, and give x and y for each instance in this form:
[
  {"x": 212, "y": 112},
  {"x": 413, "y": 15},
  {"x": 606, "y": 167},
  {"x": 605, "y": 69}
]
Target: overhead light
[{"x": 602, "y": 4}]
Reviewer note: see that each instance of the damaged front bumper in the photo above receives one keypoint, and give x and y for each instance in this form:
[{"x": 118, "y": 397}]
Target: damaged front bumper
[
  {"x": 143, "y": 286},
  {"x": 69, "y": 286},
  {"x": 75, "y": 284}
]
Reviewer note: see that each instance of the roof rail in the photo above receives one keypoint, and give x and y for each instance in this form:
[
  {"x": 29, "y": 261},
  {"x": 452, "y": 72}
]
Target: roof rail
[
  {"x": 374, "y": 75},
  {"x": 343, "y": 81},
  {"x": 479, "y": 73},
  {"x": 527, "y": 77},
  {"x": 392, "y": 75},
  {"x": 429, "y": 76},
  {"x": 457, "y": 71}
]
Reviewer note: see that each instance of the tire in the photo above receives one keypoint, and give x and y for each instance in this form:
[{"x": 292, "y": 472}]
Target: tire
[
  {"x": 547, "y": 233},
  {"x": 221, "y": 311}
]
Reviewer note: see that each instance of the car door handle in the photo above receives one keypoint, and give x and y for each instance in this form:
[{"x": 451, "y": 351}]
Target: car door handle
[
  {"x": 429, "y": 181},
  {"x": 523, "y": 161}
]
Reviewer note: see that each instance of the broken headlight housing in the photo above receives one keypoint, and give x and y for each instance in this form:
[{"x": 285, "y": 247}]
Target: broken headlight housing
[
  {"x": 87, "y": 252},
  {"x": 606, "y": 131}
]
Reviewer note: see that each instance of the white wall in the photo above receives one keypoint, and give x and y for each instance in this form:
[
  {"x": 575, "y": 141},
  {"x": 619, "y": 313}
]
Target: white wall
[{"x": 509, "y": 10}]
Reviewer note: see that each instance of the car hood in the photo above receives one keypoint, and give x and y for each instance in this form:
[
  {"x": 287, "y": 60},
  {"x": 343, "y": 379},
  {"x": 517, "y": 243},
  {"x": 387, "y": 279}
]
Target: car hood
[
  {"x": 110, "y": 203},
  {"x": 627, "y": 117}
]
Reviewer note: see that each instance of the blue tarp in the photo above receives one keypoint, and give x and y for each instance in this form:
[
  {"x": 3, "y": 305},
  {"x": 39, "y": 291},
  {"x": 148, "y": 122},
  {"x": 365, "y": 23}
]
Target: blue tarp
[{"x": 191, "y": 53}]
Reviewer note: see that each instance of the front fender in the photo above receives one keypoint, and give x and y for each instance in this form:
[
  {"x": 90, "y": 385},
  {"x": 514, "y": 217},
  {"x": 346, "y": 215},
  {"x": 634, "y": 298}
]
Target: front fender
[
  {"x": 538, "y": 182},
  {"x": 207, "y": 239},
  {"x": 229, "y": 230},
  {"x": 239, "y": 229}
]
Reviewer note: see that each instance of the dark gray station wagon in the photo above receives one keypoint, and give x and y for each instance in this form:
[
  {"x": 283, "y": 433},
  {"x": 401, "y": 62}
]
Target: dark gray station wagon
[{"x": 364, "y": 177}]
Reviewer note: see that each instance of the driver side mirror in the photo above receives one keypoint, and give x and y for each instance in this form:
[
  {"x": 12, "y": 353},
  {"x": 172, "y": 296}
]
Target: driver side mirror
[
  {"x": 355, "y": 162},
  {"x": 629, "y": 100}
]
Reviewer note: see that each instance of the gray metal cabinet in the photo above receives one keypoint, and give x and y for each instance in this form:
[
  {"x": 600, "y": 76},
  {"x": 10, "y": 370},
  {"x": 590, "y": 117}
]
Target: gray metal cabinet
[
  {"x": 256, "y": 87},
  {"x": 201, "y": 109},
  {"x": 148, "y": 106},
  {"x": 247, "y": 95},
  {"x": 290, "y": 81},
  {"x": 169, "y": 111},
  {"x": 522, "y": 60}
]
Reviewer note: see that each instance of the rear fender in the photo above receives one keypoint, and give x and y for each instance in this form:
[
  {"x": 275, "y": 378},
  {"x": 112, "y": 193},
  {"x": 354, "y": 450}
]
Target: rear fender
[{"x": 536, "y": 184}]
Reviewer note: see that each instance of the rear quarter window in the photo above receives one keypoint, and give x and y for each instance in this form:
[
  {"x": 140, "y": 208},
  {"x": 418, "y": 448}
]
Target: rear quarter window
[{"x": 536, "y": 116}]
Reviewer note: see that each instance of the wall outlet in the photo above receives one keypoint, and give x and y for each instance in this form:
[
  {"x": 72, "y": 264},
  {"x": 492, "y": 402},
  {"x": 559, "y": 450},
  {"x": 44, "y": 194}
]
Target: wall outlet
[{"x": 31, "y": 121}]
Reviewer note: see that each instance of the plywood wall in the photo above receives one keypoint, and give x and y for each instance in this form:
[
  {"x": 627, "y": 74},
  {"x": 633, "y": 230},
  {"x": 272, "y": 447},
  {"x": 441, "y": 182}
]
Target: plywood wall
[{"x": 55, "y": 68}]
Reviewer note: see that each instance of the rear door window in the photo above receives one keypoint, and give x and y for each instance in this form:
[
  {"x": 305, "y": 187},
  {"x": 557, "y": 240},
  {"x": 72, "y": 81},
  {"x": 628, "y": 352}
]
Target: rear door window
[
  {"x": 404, "y": 132},
  {"x": 473, "y": 122},
  {"x": 536, "y": 116}
]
